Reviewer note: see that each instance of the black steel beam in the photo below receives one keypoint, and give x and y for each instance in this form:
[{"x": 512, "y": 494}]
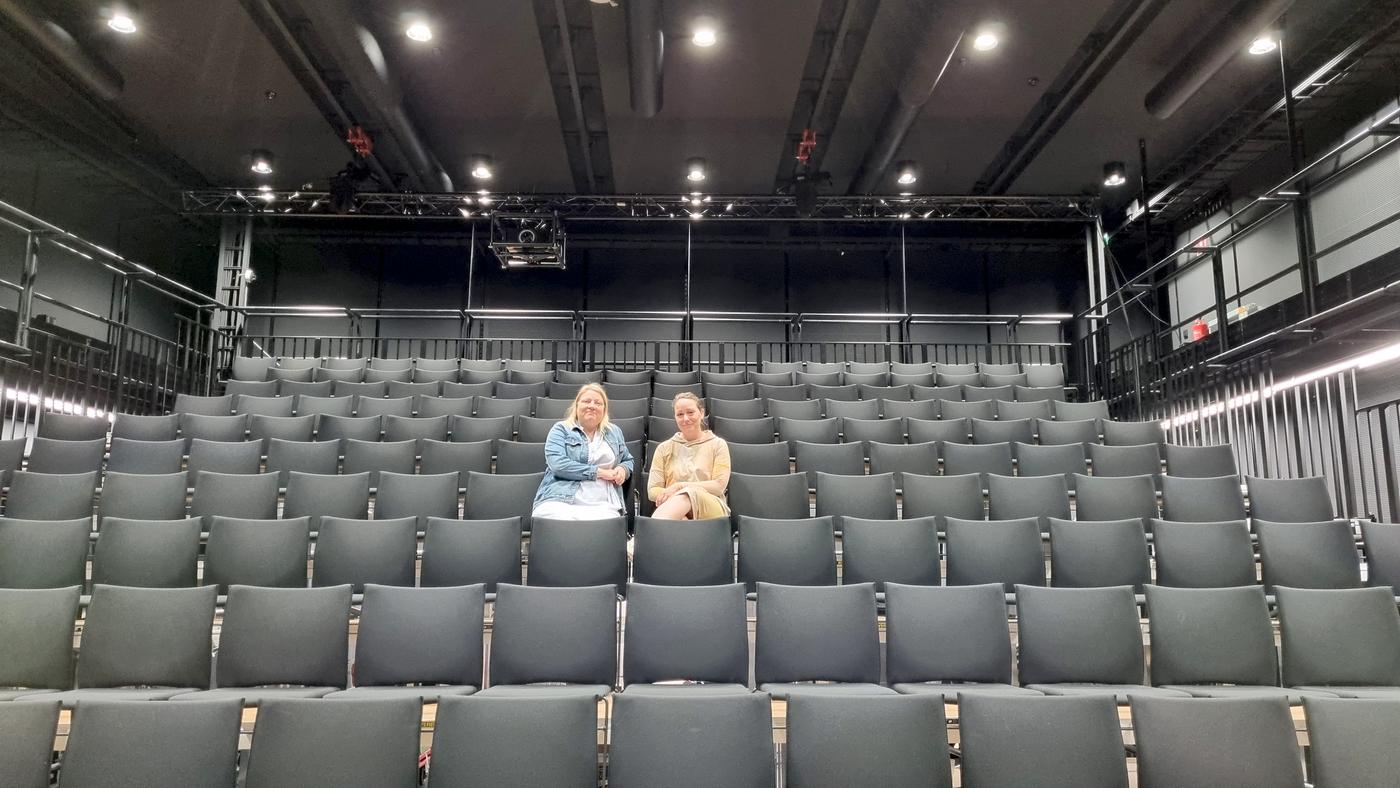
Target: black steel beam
[{"x": 571, "y": 55}]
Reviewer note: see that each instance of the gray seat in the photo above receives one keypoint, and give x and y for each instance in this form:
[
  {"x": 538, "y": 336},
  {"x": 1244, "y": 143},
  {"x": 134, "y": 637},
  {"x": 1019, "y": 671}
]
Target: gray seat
[
  {"x": 896, "y": 741},
  {"x": 340, "y": 375},
  {"x": 142, "y": 496},
  {"x": 1252, "y": 743},
  {"x": 1215, "y": 643},
  {"x": 734, "y": 391},
  {"x": 1308, "y": 555},
  {"x": 817, "y": 641},
  {"x": 212, "y": 428},
  {"x": 737, "y": 409},
  {"x": 996, "y": 551},
  {"x": 524, "y": 391},
  {"x": 187, "y": 404},
  {"x": 37, "y": 650},
  {"x": 147, "y": 553},
  {"x": 809, "y": 430},
  {"x": 263, "y": 429},
  {"x": 1304, "y": 500},
  {"x": 851, "y": 410},
  {"x": 797, "y": 409},
  {"x": 1004, "y": 430},
  {"x": 519, "y": 457},
  {"x": 530, "y": 429},
  {"x": 901, "y": 458},
  {"x": 308, "y": 405},
  {"x": 492, "y": 496},
  {"x": 376, "y": 458},
  {"x": 223, "y": 458},
  {"x": 760, "y": 459},
  {"x": 799, "y": 552},
  {"x": 578, "y": 553},
  {"x": 915, "y": 409},
  {"x": 553, "y": 641},
  {"x": 145, "y": 428},
  {"x": 467, "y": 552},
  {"x": 250, "y": 367},
  {"x": 812, "y": 459},
  {"x": 250, "y": 496},
  {"x": 1346, "y": 641},
  {"x": 721, "y": 378},
  {"x": 1203, "y": 555},
  {"x": 1382, "y": 546},
  {"x": 976, "y": 409},
  {"x": 418, "y": 642},
  {"x": 460, "y": 458},
  {"x": 841, "y": 496},
  {"x": 1097, "y": 554},
  {"x": 411, "y": 495},
  {"x": 401, "y": 428},
  {"x": 346, "y": 428},
  {"x": 140, "y": 456},
  {"x": 52, "y": 455},
  {"x": 896, "y": 394},
  {"x": 922, "y": 660},
  {"x": 71, "y": 427},
  {"x": 921, "y": 391},
  {"x": 143, "y": 644},
  {"x": 252, "y": 552},
  {"x": 11, "y": 458},
  {"x": 1131, "y": 433},
  {"x": 51, "y": 496},
  {"x": 356, "y": 552},
  {"x": 1070, "y": 411},
  {"x": 1065, "y": 460},
  {"x": 740, "y": 430},
  {"x": 1082, "y": 641},
  {"x": 1044, "y": 375},
  {"x": 691, "y": 742},
  {"x": 947, "y": 378},
  {"x": 1202, "y": 461},
  {"x": 156, "y": 745},
  {"x": 381, "y": 375},
  {"x": 251, "y": 388},
  {"x": 351, "y": 390},
  {"x": 282, "y": 643},
  {"x": 831, "y": 392},
  {"x": 769, "y": 496},
  {"x": 1057, "y": 433},
  {"x": 1144, "y": 460},
  {"x": 890, "y": 430},
  {"x": 888, "y": 550},
  {"x": 486, "y": 740},
  {"x": 683, "y": 553},
  {"x": 314, "y": 457},
  {"x": 696, "y": 634},
  {"x": 465, "y": 429},
  {"x": 28, "y": 730},
  {"x": 246, "y": 405},
  {"x": 1038, "y": 393},
  {"x": 315, "y": 496},
  {"x": 942, "y": 496},
  {"x": 982, "y": 459},
  {"x": 1037, "y": 410},
  {"x": 431, "y": 407},
  {"x": 1115, "y": 498},
  {"x": 348, "y": 744},
  {"x": 1013, "y": 497},
  {"x": 1352, "y": 742},
  {"x": 579, "y": 378},
  {"x": 43, "y": 553}
]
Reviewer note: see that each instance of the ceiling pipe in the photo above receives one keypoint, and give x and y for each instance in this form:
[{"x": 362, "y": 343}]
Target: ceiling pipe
[
  {"x": 1228, "y": 38},
  {"x": 94, "y": 74},
  {"x": 925, "y": 71},
  {"x": 646, "y": 47}
]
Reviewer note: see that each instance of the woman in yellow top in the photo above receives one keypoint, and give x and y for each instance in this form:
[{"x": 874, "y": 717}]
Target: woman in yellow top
[{"x": 690, "y": 471}]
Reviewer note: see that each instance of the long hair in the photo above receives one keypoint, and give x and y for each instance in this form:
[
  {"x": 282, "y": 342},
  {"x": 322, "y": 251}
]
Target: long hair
[{"x": 569, "y": 419}]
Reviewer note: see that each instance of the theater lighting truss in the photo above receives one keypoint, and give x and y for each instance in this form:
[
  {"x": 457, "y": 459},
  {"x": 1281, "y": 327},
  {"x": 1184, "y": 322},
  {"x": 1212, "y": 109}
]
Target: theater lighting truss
[
  {"x": 678, "y": 207},
  {"x": 527, "y": 240}
]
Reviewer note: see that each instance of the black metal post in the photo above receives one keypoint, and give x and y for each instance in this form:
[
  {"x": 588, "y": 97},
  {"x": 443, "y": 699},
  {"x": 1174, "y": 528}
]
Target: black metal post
[
  {"x": 1222, "y": 326},
  {"x": 119, "y": 358},
  {"x": 28, "y": 274},
  {"x": 1302, "y": 211}
]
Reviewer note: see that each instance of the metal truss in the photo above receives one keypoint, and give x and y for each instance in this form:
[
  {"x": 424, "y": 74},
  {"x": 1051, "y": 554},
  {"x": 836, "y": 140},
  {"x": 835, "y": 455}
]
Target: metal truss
[{"x": 693, "y": 207}]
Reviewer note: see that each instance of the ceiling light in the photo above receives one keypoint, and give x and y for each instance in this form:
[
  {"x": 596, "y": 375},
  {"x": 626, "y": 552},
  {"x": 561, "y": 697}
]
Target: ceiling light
[
  {"x": 122, "y": 23},
  {"x": 908, "y": 173},
  {"x": 985, "y": 41},
  {"x": 1264, "y": 44},
  {"x": 705, "y": 34},
  {"x": 695, "y": 169},
  {"x": 419, "y": 31},
  {"x": 1114, "y": 174},
  {"x": 262, "y": 162},
  {"x": 481, "y": 167}
]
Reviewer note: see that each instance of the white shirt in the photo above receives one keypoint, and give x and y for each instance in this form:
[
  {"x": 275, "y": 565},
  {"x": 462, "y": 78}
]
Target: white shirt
[{"x": 598, "y": 492}]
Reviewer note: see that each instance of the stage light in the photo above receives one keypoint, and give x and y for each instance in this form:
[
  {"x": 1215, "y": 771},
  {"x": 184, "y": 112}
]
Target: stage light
[
  {"x": 122, "y": 22},
  {"x": 481, "y": 167},
  {"x": 418, "y": 30},
  {"x": 985, "y": 41},
  {"x": 695, "y": 169},
  {"x": 262, "y": 161},
  {"x": 704, "y": 34},
  {"x": 908, "y": 173},
  {"x": 1264, "y": 44},
  {"x": 1114, "y": 174}
]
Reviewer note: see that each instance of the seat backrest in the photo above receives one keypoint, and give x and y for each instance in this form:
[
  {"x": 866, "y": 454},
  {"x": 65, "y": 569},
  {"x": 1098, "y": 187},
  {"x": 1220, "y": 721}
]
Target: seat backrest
[
  {"x": 43, "y": 553},
  {"x": 159, "y": 745},
  {"x": 1308, "y": 555},
  {"x": 1054, "y": 433},
  {"x": 257, "y": 552},
  {"x": 1066, "y": 460},
  {"x": 466, "y": 552},
  {"x": 416, "y": 495},
  {"x": 1382, "y": 553},
  {"x": 37, "y": 650},
  {"x": 294, "y": 636},
  {"x": 495, "y": 495},
  {"x": 141, "y": 456},
  {"x": 1258, "y": 734},
  {"x": 1347, "y": 636},
  {"x": 222, "y": 457},
  {"x": 1203, "y": 555},
  {"x": 982, "y": 459},
  {"x": 1132, "y": 433},
  {"x": 792, "y": 552},
  {"x": 146, "y": 428},
  {"x": 917, "y": 622},
  {"x": 816, "y": 634},
  {"x": 554, "y": 635},
  {"x": 920, "y": 459},
  {"x": 1012, "y": 497},
  {"x": 250, "y": 496},
  {"x": 50, "y": 496},
  {"x": 28, "y": 730},
  {"x": 842, "y": 496},
  {"x": 143, "y": 496},
  {"x": 578, "y": 553},
  {"x": 479, "y": 739},
  {"x": 1003, "y": 430},
  {"x": 1211, "y": 636},
  {"x": 316, "y": 495},
  {"x": 1098, "y": 553},
  {"x": 53, "y": 455},
  {"x": 354, "y": 742},
  {"x": 71, "y": 427},
  {"x": 420, "y": 636},
  {"x": 760, "y": 459},
  {"x": 357, "y": 552},
  {"x": 147, "y": 553},
  {"x": 957, "y": 496},
  {"x": 698, "y": 633},
  {"x": 1094, "y": 409},
  {"x": 887, "y": 550},
  {"x": 834, "y": 458},
  {"x": 726, "y": 738},
  {"x": 1041, "y": 741},
  {"x": 1114, "y": 497},
  {"x": 1304, "y": 500},
  {"x": 1202, "y": 461},
  {"x": 1004, "y": 551},
  {"x": 1202, "y": 500},
  {"x": 1144, "y": 460},
  {"x": 783, "y": 496},
  {"x": 1079, "y": 635},
  {"x": 173, "y": 647},
  {"x": 469, "y": 429},
  {"x": 1351, "y": 741}
]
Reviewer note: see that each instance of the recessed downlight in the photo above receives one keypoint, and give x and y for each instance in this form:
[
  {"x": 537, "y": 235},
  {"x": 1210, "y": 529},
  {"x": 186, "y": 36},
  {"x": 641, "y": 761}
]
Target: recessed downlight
[{"x": 418, "y": 30}]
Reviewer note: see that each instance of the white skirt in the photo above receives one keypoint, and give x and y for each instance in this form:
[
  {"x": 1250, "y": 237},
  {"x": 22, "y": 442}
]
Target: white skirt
[{"x": 568, "y": 510}]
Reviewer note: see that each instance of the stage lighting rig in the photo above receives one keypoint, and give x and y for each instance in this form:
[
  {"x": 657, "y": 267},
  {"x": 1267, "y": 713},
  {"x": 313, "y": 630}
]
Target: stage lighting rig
[{"x": 528, "y": 240}]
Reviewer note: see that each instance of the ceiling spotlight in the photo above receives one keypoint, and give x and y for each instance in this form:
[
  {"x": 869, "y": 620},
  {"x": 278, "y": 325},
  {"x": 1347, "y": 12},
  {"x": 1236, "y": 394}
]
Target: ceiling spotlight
[
  {"x": 695, "y": 169},
  {"x": 1264, "y": 44},
  {"x": 481, "y": 167},
  {"x": 908, "y": 173},
  {"x": 985, "y": 41},
  {"x": 1114, "y": 174},
  {"x": 419, "y": 31},
  {"x": 704, "y": 34},
  {"x": 122, "y": 22},
  {"x": 262, "y": 162}
]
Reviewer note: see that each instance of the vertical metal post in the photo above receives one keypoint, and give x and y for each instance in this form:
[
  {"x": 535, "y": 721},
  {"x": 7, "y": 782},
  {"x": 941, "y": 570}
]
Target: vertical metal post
[
  {"x": 1222, "y": 314},
  {"x": 687, "y": 328},
  {"x": 1302, "y": 210},
  {"x": 26, "y": 282},
  {"x": 119, "y": 355}
]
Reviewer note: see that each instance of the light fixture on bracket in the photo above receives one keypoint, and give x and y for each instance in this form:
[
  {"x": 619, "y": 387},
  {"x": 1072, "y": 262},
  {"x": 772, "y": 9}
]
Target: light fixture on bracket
[
  {"x": 418, "y": 30},
  {"x": 121, "y": 19},
  {"x": 1114, "y": 174},
  {"x": 262, "y": 161},
  {"x": 988, "y": 36},
  {"x": 695, "y": 169},
  {"x": 908, "y": 172},
  {"x": 1264, "y": 43},
  {"x": 528, "y": 240},
  {"x": 482, "y": 167}
]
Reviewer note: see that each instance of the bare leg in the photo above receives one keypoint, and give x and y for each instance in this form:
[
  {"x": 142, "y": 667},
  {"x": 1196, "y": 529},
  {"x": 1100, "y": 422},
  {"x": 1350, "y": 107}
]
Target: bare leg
[{"x": 677, "y": 507}]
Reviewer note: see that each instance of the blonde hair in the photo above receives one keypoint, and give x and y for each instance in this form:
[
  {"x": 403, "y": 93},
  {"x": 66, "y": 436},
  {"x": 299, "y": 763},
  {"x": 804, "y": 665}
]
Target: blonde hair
[
  {"x": 699, "y": 404},
  {"x": 569, "y": 415}
]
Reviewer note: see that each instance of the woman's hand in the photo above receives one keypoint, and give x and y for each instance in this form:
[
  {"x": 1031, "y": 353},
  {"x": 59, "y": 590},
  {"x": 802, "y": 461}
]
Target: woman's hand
[
  {"x": 668, "y": 492},
  {"x": 617, "y": 476}
]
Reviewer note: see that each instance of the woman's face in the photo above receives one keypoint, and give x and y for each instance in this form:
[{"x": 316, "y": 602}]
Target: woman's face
[
  {"x": 689, "y": 417},
  {"x": 590, "y": 410}
]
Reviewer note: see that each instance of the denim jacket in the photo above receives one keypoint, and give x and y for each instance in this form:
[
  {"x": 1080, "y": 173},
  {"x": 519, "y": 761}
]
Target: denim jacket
[{"x": 566, "y": 461}]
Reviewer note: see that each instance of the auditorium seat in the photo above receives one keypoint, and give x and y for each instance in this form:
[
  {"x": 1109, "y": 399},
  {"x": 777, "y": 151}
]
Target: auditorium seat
[
  {"x": 484, "y": 740},
  {"x": 142, "y": 456},
  {"x": 1036, "y": 410},
  {"x": 1014, "y": 497},
  {"x": 835, "y": 458},
  {"x": 1252, "y": 742},
  {"x": 1077, "y": 411},
  {"x": 470, "y": 429},
  {"x": 1203, "y": 555},
  {"x": 772, "y": 377},
  {"x": 958, "y": 409},
  {"x": 381, "y": 406},
  {"x": 1115, "y": 498},
  {"x": 415, "y": 428},
  {"x": 817, "y": 641},
  {"x": 1056, "y": 433},
  {"x": 983, "y": 459},
  {"x": 284, "y": 457},
  {"x": 467, "y": 552},
  {"x": 682, "y": 553},
  {"x": 1308, "y": 555},
  {"x": 890, "y": 551},
  {"x": 940, "y": 431},
  {"x": 1098, "y": 554},
  {"x": 212, "y": 428},
  {"x": 900, "y": 458},
  {"x": 55, "y": 455},
  {"x": 1144, "y": 460},
  {"x": 517, "y": 406},
  {"x": 424, "y": 381},
  {"x": 1131, "y": 433},
  {"x": 1302, "y": 500},
  {"x": 222, "y": 457},
  {"x": 698, "y": 634},
  {"x": 1015, "y": 380},
  {"x": 43, "y": 553},
  {"x": 666, "y": 392},
  {"x": 341, "y": 429},
  {"x": 777, "y": 496},
  {"x": 325, "y": 406},
  {"x": 552, "y": 410},
  {"x": 142, "y": 496},
  {"x": 1038, "y": 393},
  {"x": 50, "y": 496},
  {"x": 1082, "y": 641},
  {"x": 899, "y": 742},
  {"x": 291, "y": 363},
  {"x": 339, "y": 375},
  {"x": 418, "y": 643},
  {"x": 260, "y": 388},
  {"x": 352, "y": 391},
  {"x": 250, "y": 367},
  {"x": 908, "y": 409},
  {"x": 723, "y": 378},
  {"x": 1201, "y": 461},
  {"x": 921, "y": 393},
  {"x": 957, "y": 378},
  {"x": 489, "y": 377},
  {"x": 567, "y": 553},
  {"x": 870, "y": 430},
  {"x": 1003, "y": 431},
  {"x": 736, "y": 409},
  {"x": 263, "y": 429},
  {"x": 467, "y": 390},
  {"x": 28, "y": 732},
  {"x": 1382, "y": 551},
  {"x": 854, "y": 410},
  {"x": 519, "y": 457},
  {"x": 837, "y": 393},
  {"x": 803, "y": 409},
  {"x": 428, "y": 407},
  {"x": 808, "y": 431},
  {"x": 994, "y": 551},
  {"x": 156, "y": 745},
  {"x": 252, "y": 496},
  {"x": 355, "y": 552},
  {"x": 905, "y": 368},
  {"x": 795, "y": 552},
  {"x": 942, "y": 496},
  {"x": 247, "y": 405},
  {"x": 759, "y": 458},
  {"x": 794, "y": 393},
  {"x": 360, "y": 743},
  {"x": 257, "y": 552},
  {"x": 147, "y": 553},
  {"x": 737, "y": 391},
  {"x": 1350, "y": 741},
  {"x": 990, "y": 394},
  {"x": 189, "y": 404},
  {"x": 278, "y": 643},
  {"x": 493, "y": 496},
  {"x": 344, "y": 363},
  {"x": 922, "y": 660},
  {"x": 298, "y": 388},
  {"x": 1044, "y": 375},
  {"x": 36, "y": 653},
  {"x": 553, "y": 641},
  {"x": 482, "y": 364},
  {"x": 145, "y": 428},
  {"x": 691, "y": 741},
  {"x": 380, "y": 375},
  {"x": 422, "y": 496},
  {"x": 377, "y": 457},
  {"x": 1202, "y": 500},
  {"x": 842, "y": 495},
  {"x": 71, "y": 427},
  {"x": 1035, "y": 460},
  {"x": 440, "y": 456}
]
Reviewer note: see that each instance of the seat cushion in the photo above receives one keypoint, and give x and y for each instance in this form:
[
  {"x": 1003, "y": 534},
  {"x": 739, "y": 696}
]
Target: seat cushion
[
  {"x": 950, "y": 691},
  {"x": 783, "y": 691},
  {"x": 684, "y": 690},
  {"x": 1374, "y": 693},
  {"x": 1120, "y": 692},
  {"x": 70, "y": 697},
  {"x": 545, "y": 690},
  {"x": 428, "y": 693},
  {"x": 11, "y": 694},
  {"x": 1293, "y": 694},
  {"x": 252, "y": 696}
]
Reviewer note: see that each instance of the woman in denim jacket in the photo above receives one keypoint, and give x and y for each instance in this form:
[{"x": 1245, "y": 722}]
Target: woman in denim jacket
[{"x": 586, "y": 461}]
